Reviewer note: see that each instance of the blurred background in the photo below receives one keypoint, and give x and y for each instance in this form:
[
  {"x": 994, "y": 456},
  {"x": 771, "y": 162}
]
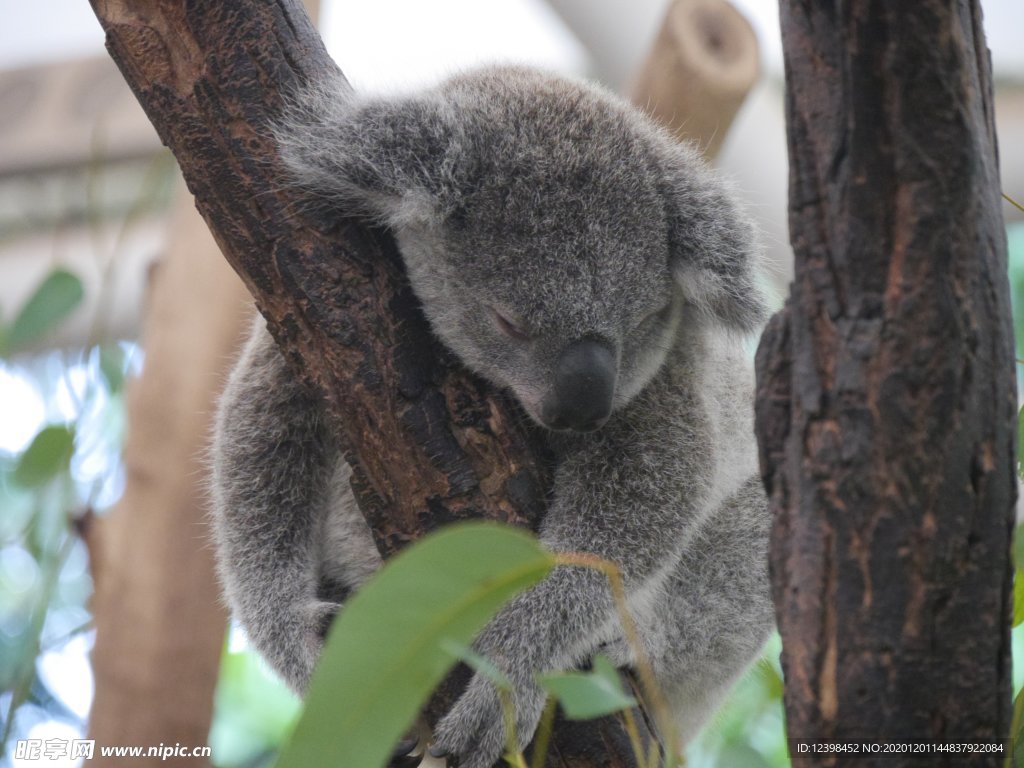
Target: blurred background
[{"x": 95, "y": 241}]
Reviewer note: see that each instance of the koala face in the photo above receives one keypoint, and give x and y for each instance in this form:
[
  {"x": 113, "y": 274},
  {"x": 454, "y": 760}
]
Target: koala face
[
  {"x": 552, "y": 233},
  {"x": 546, "y": 267},
  {"x": 575, "y": 318}
]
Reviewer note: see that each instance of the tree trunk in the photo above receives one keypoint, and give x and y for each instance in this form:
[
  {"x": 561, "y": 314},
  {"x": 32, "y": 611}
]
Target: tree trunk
[
  {"x": 699, "y": 71},
  {"x": 886, "y": 395}
]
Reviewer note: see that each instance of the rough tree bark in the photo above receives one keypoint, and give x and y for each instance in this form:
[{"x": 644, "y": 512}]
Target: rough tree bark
[
  {"x": 886, "y": 397},
  {"x": 158, "y": 611}
]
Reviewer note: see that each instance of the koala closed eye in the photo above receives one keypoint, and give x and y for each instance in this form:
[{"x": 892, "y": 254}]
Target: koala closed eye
[
  {"x": 658, "y": 314},
  {"x": 514, "y": 329}
]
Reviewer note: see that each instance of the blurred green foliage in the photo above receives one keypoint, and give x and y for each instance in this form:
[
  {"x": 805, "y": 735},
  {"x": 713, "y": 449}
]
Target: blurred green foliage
[
  {"x": 55, "y": 298},
  {"x": 585, "y": 695},
  {"x": 68, "y": 469},
  {"x": 47, "y": 456},
  {"x": 255, "y": 712},
  {"x": 749, "y": 729},
  {"x": 1015, "y": 243}
]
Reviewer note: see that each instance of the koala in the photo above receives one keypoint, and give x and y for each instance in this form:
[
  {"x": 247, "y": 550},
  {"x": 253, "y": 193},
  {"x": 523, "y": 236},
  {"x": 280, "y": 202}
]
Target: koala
[{"x": 571, "y": 252}]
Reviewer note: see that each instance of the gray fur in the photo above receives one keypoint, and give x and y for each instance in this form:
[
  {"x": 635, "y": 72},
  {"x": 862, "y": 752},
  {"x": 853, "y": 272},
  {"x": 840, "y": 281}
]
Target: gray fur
[{"x": 559, "y": 207}]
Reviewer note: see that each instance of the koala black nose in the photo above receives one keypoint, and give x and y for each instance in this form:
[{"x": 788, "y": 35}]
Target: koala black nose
[{"x": 584, "y": 382}]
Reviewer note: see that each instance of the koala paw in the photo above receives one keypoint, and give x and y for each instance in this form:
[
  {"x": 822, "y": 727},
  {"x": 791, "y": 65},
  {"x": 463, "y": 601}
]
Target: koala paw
[
  {"x": 318, "y": 617},
  {"x": 474, "y": 730}
]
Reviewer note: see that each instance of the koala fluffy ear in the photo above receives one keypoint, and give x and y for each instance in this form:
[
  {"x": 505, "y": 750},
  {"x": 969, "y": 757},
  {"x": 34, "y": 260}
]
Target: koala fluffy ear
[
  {"x": 381, "y": 157},
  {"x": 713, "y": 246}
]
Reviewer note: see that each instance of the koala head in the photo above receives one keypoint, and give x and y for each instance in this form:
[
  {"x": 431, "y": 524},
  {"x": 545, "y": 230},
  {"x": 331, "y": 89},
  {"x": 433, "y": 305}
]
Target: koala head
[{"x": 554, "y": 235}]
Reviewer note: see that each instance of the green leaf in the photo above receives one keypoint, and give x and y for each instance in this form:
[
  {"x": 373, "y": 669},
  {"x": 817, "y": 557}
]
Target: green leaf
[
  {"x": 253, "y": 711},
  {"x": 476, "y": 662},
  {"x": 53, "y": 301},
  {"x": 1018, "y": 597},
  {"x": 586, "y": 695},
  {"x": 47, "y": 456},
  {"x": 1020, "y": 442},
  {"x": 384, "y": 653},
  {"x": 112, "y": 364},
  {"x": 771, "y": 679},
  {"x": 740, "y": 753},
  {"x": 1017, "y": 733}
]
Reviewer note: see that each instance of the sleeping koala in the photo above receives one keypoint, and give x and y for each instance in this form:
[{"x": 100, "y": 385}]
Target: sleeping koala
[{"x": 569, "y": 250}]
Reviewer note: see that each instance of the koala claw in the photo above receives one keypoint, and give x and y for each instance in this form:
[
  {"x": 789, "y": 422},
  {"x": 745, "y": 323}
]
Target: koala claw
[
  {"x": 406, "y": 754},
  {"x": 405, "y": 746},
  {"x": 474, "y": 730},
  {"x": 437, "y": 752},
  {"x": 405, "y": 761}
]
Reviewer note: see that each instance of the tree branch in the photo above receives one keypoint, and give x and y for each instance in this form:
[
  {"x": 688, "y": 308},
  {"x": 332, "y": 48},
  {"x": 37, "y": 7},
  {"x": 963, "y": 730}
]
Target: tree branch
[{"x": 886, "y": 399}]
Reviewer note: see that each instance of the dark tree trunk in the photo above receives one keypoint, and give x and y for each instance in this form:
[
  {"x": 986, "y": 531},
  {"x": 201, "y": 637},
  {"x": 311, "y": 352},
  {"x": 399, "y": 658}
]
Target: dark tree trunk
[
  {"x": 428, "y": 442},
  {"x": 886, "y": 397}
]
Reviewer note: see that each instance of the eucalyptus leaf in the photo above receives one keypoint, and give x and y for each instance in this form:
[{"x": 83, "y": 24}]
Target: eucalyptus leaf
[
  {"x": 773, "y": 683},
  {"x": 476, "y": 662},
  {"x": 586, "y": 695},
  {"x": 1020, "y": 442},
  {"x": 740, "y": 753},
  {"x": 254, "y": 710},
  {"x": 112, "y": 364},
  {"x": 384, "y": 654},
  {"x": 48, "y": 455},
  {"x": 1016, "y": 758},
  {"x": 54, "y": 299},
  {"x": 1018, "y": 597}
]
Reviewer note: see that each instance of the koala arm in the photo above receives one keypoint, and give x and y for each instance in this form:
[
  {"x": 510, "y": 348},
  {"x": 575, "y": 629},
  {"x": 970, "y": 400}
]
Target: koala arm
[
  {"x": 618, "y": 495},
  {"x": 272, "y": 459}
]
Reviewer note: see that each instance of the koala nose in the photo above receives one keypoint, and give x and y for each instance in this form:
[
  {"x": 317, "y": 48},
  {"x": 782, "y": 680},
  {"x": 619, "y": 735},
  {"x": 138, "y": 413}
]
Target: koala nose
[{"x": 584, "y": 382}]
